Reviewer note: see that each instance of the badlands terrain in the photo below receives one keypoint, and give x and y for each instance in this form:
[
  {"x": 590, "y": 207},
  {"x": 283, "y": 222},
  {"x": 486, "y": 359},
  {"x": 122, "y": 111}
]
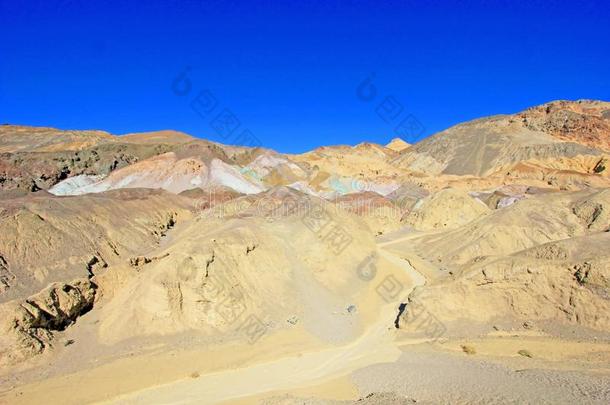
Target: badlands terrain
[{"x": 472, "y": 267}]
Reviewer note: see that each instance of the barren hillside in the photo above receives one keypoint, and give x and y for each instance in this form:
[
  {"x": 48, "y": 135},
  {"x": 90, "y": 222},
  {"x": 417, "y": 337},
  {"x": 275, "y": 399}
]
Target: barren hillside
[{"x": 471, "y": 267}]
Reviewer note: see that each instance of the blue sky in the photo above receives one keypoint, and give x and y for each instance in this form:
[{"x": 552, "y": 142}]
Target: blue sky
[{"x": 290, "y": 72}]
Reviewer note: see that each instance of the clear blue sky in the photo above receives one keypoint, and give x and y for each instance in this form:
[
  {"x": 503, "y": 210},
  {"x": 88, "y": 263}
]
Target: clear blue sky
[{"x": 289, "y": 70}]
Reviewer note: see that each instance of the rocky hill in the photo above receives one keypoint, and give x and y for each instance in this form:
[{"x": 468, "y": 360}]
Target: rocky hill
[{"x": 558, "y": 130}]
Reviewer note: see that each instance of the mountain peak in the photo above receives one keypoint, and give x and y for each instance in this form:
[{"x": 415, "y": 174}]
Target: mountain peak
[{"x": 397, "y": 145}]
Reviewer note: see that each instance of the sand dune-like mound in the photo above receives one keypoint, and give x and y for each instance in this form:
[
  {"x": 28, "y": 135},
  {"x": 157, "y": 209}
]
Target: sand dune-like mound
[
  {"x": 380, "y": 213},
  {"x": 536, "y": 220},
  {"x": 219, "y": 272},
  {"x": 364, "y": 163},
  {"x": 448, "y": 208},
  {"x": 209, "y": 280},
  {"x": 210, "y": 196},
  {"x": 274, "y": 169}
]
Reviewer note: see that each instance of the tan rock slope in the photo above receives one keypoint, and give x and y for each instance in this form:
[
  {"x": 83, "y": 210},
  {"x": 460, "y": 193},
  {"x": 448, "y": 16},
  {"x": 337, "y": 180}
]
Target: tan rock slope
[
  {"x": 46, "y": 283},
  {"x": 397, "y": 145},
  {"x": 448, "y": 208},
  {"x": 543, "y": 259},
  {"x": 480, "y": 147}
]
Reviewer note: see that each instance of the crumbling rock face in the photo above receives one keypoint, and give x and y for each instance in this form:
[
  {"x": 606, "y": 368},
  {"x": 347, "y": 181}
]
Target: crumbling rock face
[
  {"x": 584, "y": 121},
  {"x": 95, "y": 264},
  {"x": 547, "y": 251},
  {"x": 566, "y": 281},
  {"x": 140, "y": 261},
  {"x": 160, "y": 228},
  {"x": 593, "y": 275},
  {"x": 6, "y": 277},
  {"x": 46, "y": 239},
  {"x": 34, "y": 158},
  {"x": 594, "y": 211},
  {"x": 34, "y": 171},
  {"x": 28, "y": 326}
]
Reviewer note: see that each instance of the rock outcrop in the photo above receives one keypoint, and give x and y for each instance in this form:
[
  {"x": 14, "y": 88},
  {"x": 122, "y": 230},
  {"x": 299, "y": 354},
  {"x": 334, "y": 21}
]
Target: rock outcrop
[{"x": 28, "y": 326}]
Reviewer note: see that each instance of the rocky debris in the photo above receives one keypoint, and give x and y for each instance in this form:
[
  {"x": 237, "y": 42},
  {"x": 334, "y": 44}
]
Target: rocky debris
[
  {"x": 528, "y": 325},
  {"x": 525, "y": 353},
  {"x": 593, "y": 274},
  {"x": 385, "y": 398},
  {"x": 160, "y": 228},
  {"x": 6, "y": 277},
  {"x": 582, "y": 272},
  {"x": 28, "y": 326},
  {"x": 95, "y": 264},
  {"x": 594, "y": 211},
  {"x": 140, "y": 261},
  {"x": 507, "y": 195},
  {"x": 548, "y": 252}
]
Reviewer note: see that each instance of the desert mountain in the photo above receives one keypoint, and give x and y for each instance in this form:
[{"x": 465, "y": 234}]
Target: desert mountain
[
  {"x": 156, "y": 267},
  {"x": 38, "y": 158},
  {"x": 530, "y": 146},
  {"x": 558, "y": 130}
]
